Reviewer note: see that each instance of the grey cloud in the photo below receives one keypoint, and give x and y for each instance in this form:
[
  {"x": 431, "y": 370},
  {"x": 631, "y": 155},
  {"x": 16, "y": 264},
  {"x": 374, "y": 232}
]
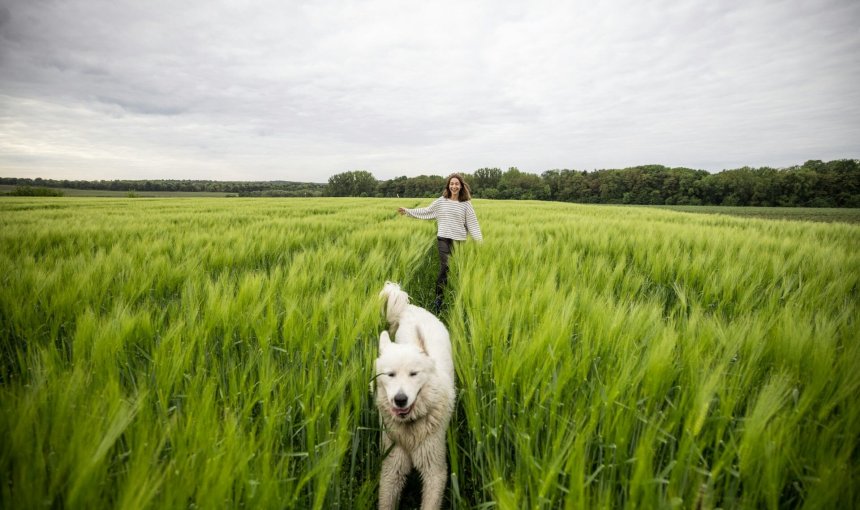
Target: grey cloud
[
  {"x": 137, "y": 106},
  {"x": 273, "y": 91},
  {"x": 5, "y": 17}
]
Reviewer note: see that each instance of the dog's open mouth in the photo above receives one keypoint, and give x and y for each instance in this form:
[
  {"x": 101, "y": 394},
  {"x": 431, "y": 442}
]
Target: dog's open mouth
[{"x": 401, "y": 411}]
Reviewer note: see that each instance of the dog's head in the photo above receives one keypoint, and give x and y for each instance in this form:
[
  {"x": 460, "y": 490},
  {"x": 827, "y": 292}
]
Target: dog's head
[{"x": 401, "y": 373}]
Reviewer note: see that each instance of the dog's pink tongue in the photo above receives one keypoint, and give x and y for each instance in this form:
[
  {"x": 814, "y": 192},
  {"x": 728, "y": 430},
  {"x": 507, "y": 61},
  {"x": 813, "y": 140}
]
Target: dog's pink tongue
[{"x": 402, "y": 410}]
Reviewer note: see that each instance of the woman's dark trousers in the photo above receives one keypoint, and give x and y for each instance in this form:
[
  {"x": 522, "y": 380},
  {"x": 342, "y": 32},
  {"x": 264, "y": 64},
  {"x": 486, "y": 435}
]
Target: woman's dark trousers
[{"x": 446, "y": 248}]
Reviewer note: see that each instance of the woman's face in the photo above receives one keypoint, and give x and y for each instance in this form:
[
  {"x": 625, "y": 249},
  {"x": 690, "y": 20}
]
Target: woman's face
[{"x": 454, "y": 186}]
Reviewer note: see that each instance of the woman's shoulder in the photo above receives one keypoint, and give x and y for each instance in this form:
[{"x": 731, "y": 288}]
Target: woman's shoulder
[{"x": 452, "y": 202}]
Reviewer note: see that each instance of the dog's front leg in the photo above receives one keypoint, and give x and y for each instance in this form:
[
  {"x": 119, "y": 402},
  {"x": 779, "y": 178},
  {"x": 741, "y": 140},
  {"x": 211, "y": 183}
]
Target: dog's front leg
[
  {"x": 395, "y": 468},
  {"x": 433, "y": 467},
  {"x": 433, "y": 488}
]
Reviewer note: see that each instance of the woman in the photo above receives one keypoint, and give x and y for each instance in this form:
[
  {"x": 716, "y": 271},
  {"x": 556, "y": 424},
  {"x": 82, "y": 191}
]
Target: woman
[{"x": 455, "y": 218}]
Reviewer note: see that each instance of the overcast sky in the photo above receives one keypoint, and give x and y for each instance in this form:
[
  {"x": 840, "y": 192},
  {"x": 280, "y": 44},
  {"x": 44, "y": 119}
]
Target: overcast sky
[{"x": 289, "y": 90}]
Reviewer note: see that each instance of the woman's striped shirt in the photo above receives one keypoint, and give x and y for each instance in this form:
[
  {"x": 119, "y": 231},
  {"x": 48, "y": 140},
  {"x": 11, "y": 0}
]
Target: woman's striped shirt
[{"x": 454, "y": 219}]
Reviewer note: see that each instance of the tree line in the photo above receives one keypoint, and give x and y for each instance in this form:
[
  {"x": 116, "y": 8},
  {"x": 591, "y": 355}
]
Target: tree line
[
  {"x": 813, "y": 184},
  {"x": 241, "y": 188}
]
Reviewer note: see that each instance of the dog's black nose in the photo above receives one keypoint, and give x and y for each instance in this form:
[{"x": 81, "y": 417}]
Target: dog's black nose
[{"x": 400, "y": 400}]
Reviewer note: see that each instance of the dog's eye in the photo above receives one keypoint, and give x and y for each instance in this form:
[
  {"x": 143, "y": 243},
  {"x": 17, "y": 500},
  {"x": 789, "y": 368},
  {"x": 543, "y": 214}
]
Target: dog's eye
[
  {"x": 413, "y": 374},
  {"x": 391, "y": 374}
]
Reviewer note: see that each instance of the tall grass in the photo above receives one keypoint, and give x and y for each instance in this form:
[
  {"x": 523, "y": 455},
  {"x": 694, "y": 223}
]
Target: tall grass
[
  {"x": 217, "y": 353},
  {"x": 641, "y": 358}
]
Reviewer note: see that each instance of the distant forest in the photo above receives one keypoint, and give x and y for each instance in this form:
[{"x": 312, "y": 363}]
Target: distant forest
[{"x": 813, "y": 184}]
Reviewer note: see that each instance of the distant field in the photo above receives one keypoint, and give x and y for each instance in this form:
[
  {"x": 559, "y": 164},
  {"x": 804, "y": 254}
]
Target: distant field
[
  {"x": 72, "y": 192},
  {"x": 775, "y": 213},
  {"x": 214, "y": 353}
]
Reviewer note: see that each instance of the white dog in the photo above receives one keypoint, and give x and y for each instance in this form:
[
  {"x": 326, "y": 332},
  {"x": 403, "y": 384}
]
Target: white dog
[{"x": 415, "y": 395}]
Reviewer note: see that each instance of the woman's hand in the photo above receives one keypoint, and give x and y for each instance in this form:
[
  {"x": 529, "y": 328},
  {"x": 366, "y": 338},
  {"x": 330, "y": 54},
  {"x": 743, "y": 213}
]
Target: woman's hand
[{"x": 401, "y": 210}]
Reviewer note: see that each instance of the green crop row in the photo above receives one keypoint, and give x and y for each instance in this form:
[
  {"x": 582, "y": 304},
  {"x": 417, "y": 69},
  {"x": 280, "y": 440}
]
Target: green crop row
[{"x": 200, "y": 353}]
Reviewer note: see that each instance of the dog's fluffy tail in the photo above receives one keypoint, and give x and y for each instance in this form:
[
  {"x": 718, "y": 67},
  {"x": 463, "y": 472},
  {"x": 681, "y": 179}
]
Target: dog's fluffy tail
[{"x": 397, "y": 301}]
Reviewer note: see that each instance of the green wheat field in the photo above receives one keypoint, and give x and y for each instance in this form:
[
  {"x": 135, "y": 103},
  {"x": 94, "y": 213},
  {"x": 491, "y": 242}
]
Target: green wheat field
[{"x": 217, "y": 353}]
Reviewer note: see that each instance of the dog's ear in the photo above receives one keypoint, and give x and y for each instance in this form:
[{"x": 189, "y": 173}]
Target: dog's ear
[
  {"x": 421, "y": 346},
  {"x": 384, "y": 341}
]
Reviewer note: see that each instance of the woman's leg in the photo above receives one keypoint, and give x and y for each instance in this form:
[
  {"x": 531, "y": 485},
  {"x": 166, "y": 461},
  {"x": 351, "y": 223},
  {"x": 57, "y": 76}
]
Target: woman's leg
[{"x": 446, "y": 247}]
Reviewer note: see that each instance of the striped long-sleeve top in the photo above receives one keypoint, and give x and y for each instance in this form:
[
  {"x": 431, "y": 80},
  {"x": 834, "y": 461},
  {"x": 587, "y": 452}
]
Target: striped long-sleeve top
[{"x": 454, "y": 220}]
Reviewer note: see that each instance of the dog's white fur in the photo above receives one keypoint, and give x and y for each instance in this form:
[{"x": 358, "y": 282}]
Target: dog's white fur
[{"x": 415, "y": 393}]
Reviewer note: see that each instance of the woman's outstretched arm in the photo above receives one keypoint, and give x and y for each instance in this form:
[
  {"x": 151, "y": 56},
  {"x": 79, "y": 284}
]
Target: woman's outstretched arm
[{"x": 426, "y": 213}]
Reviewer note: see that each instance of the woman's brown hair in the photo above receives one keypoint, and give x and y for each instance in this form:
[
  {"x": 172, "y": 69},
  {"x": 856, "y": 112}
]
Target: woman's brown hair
[{"x": 464, "y": 196}]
